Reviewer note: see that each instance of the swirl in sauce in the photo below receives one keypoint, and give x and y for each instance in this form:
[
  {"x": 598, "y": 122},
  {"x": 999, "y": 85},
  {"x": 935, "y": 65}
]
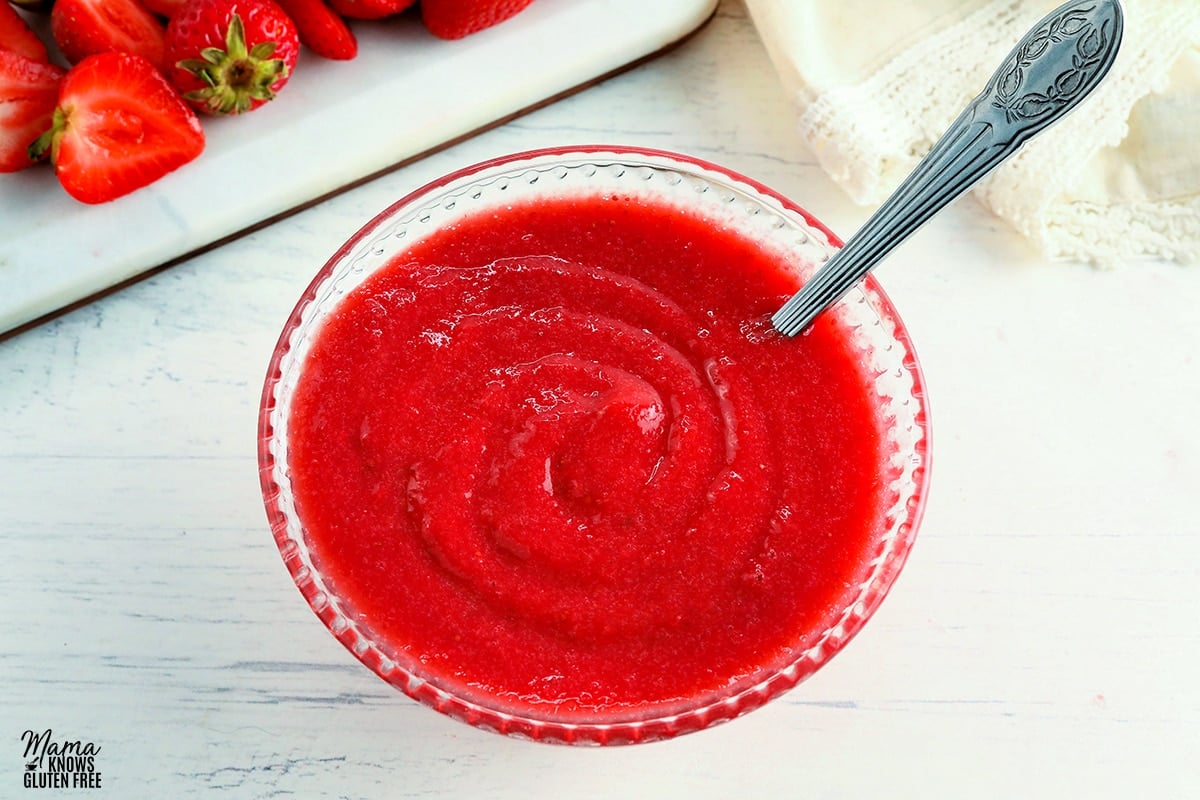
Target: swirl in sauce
[{"x": 557, "y": 454}]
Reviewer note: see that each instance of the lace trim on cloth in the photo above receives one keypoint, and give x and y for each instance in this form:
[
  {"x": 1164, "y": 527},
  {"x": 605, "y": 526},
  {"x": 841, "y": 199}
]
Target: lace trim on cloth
[
  {"x": 1107, "y": 235},
  {"x": 868, "y": 137}
]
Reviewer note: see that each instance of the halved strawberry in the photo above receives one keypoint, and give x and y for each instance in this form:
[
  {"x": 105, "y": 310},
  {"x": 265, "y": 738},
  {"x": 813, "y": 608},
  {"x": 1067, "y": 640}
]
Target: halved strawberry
[
  {"x": 17, "y": 36},
  {"x": 118, "y": 127},
  {"x": 230, "y": 56},
  {"x": 454, "y": 19},
  {"x": 369, "y": 9},
  {"x": 321, "y": 29},
  {"x": 28, "y": 93},
  {"x": 84, "y": 27}
]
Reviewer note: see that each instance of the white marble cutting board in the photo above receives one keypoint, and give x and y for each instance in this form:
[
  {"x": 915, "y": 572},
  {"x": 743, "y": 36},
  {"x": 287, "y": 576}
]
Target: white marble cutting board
[{"x": 336, "y": 123}]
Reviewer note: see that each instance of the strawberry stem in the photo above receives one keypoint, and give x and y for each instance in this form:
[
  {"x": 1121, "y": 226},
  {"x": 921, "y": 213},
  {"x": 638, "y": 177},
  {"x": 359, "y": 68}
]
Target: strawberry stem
[
  {"x": 47, "y": 144},
  {"x": 236, "y": 76}
]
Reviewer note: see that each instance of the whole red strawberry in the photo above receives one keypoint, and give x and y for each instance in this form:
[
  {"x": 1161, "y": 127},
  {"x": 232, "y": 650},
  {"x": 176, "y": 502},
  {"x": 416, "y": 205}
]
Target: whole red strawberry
[
  {"x": 454, "y": 19},
  {"x": 230, "y": 56},
  {"x": 322, "y": 29},
  {"x": 369, "y": 9},
  {"x": 118, "y": 127}
]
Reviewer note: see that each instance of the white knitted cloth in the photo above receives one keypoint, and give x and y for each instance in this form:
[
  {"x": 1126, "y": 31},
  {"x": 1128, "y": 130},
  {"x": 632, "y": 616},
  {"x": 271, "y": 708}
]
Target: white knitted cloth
[{"x": 877, "y": 83}]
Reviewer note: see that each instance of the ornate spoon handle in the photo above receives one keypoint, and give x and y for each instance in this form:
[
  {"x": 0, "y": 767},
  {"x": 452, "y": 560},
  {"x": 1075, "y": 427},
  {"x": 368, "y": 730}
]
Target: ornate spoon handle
[{"x": 1051, "y": 69}]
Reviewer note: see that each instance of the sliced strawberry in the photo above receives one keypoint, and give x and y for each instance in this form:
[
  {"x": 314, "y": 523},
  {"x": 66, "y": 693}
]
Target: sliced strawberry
[
  {"x": 17, "y": 36},
  {"x": 321, "y": 29},
  {"x": 118, "y": 127},
  {"x": 231, "y": 56},
  {"x": 454, "y": 19},
  {"x": 370, "y": 9},
  {"x": 28, "y": 93},
  {"x": 84, "y": 27}
]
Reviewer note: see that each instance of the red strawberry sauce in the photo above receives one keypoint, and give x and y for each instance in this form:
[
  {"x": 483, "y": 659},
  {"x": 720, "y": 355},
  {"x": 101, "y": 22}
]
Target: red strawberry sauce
[{"x": 557, "y": 457}]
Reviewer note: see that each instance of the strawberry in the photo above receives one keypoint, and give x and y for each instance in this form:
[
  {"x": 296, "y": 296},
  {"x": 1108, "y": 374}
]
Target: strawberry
[
  {"x": 231, "y": 56},
  {"x": 28, "y": 93},
  {"x": 118, "y": 127},
  {"x": 369, "y": 9},
  {"x": 321, "y": 29},
  {"x": 454, "y": 19},
  {"x": 16, "y": 35},
  {"x": 84, "y": 27}
]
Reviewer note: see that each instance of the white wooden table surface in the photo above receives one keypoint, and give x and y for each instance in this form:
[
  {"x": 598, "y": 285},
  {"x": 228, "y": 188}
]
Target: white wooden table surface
[{"x": 1040, "y": 643}]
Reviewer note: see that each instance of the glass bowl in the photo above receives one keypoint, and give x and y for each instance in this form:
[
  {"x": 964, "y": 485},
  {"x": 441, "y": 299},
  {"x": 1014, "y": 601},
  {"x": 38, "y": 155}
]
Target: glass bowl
[{"x": 871, "y": 324}]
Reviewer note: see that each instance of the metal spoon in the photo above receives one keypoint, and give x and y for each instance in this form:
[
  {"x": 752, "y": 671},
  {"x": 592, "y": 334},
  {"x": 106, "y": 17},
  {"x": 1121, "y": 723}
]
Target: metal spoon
[{"x": 1051, "y": 69}]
